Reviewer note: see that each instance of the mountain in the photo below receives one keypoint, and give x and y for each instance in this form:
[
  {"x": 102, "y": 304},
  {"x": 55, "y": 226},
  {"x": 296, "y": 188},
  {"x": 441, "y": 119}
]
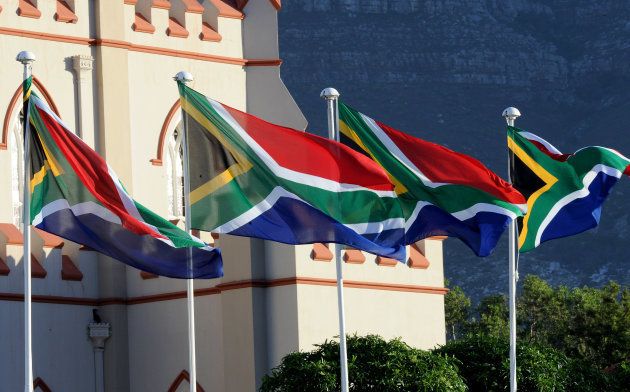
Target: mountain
[{"x": 445, "y": 70}]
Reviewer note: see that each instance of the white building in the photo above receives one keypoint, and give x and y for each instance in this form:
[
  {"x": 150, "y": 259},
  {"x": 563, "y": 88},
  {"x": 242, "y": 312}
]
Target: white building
[{"x": 106, "y": 67}]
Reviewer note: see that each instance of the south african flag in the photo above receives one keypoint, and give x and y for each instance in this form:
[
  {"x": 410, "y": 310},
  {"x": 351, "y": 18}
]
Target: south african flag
[
  {"x": 77, "y": 196},
  {"x": 565, "y": 192}
]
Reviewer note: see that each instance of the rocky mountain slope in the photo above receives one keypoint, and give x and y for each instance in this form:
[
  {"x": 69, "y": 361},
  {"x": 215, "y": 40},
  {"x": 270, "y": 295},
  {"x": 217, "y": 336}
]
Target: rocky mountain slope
[{"x": 444, "y": 71}]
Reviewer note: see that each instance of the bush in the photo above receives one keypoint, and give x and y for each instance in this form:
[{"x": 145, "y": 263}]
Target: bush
[
  {"x": 374, "y": 364},
  {"x": 484, "y": 364}
]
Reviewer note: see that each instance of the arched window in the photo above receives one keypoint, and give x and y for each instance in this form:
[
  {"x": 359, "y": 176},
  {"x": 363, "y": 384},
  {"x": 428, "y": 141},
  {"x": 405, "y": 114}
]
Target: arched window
[
  {"x": 16, "y": 146},
  {"x": 40, "y": 386},
  {"x": 182, "y": 383},
  {"x": 169, "y": 154},
  {"x": 175, "y": 170}
]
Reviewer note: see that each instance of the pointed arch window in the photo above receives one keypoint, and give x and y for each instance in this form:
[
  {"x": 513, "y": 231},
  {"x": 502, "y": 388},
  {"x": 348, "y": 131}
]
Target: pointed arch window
[
  {"x": 40, "y": 386},
  {"x": 170, "y": 155},
  {"x": 175, "y": 171},
  {"x": 182, "y": 383}
]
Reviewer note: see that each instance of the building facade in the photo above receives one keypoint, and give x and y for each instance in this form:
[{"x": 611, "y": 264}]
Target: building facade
[{"x": 106, "y": 67}]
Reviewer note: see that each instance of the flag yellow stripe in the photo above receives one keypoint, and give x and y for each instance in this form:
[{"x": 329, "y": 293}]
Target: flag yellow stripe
[
  {"x": 242, "y": 165},
  {"x": 547, "y": 177},
  {"x": 52, "y": 162},
  {"x": 217, "y": 182},
  {"x": 399, "y": 188},
  {"x": 39, "y": 176}
]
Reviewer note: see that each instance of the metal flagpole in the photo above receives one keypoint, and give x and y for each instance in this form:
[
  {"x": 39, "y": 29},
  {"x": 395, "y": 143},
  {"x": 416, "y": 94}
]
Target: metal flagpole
[
  {"x": 27, "y": 58},
  {"x": 511, "y": 114},
  {"x": 331, "y": 96},
  {"x": 186, "y": 77}
]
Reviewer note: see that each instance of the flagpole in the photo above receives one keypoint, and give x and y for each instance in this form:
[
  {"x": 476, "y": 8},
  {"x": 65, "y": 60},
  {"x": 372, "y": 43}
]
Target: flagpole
[
  {"x": 331, "y": 96},
  {"x": 186, "y": 77},
  {"x": 511, "y": 114},
  {"x": 27, "y": 58}
]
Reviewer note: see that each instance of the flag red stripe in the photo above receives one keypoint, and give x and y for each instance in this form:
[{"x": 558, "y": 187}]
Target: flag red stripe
[
  {"x": 442, "y": 165},
  {"x": 92, "y": 170},
  {"x": 543, "y": 149},
  {"x": 312, "y": 154}
]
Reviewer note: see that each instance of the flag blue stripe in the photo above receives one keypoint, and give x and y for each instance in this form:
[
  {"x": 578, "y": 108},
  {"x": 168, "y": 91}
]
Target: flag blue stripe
[
  {"x": 143, "y": 252},
  {"x": 292, "y": 221},
  {"x": 581, "y": 214},
  {"x": 481, "y": 232}
]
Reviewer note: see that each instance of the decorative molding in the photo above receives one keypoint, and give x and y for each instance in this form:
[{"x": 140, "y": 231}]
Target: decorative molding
[
  {"x": 64, "y": 13},
  {"x": 37, "y": 270},
  {"x": 69, "y": 271},
  {"x": 188, "y": 55},
  {"x": 28, "y": 10},
  {"x": 142, "y": 25},
  {"x": 46, "y": 36},
  {"x": 416, "y": 258},
  {"x": 209, "y": 34},
  {"x": 11, "y": 234},
  {"x": 147, "y": 275},
  {"x": 163, "y": 4},
  {"x": 386, "y": 261},
  {"x": 50, "y": 240},
  {"x": 237, "y": 285},
  {"x": 193, "y": 6},
  {"x": 181, "y": 377},
  {"x": 321, "y": 252},
  {"x": 353, "y": 256},
  {"x": 277, "y": 4},
  {"x": 82, "y": 62},
  {"x": 142, "y": 48},
  {"x": 4, "y": 268},
  {"x": 15, "y": 99},
  {"x": 157, "y": 161},
  {"x": 99, "y": 333},
  {"x": 53, "y": 299},
  {"x": 176, "y": 29},
  {"x": 227, "y": 11}
]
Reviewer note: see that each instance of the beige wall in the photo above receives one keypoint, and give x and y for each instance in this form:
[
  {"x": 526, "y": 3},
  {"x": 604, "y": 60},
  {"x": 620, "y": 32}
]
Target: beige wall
[{"x": 274, "y": 298}]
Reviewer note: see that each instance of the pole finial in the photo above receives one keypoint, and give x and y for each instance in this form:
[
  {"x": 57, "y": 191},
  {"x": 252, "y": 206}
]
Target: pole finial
[
  {"x": 329, "y": 93},
  {"x": 510, "y": 114},
  {"x": 25, "y": 57},
  {"x": 184, "y": 77}
]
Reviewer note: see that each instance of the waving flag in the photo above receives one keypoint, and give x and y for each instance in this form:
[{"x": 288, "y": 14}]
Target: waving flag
[
  {"x": 256, "y": 179},
  {"x": 442, "y": 192},
  {"x": 76, "y": 195},
  {"x": 565, "y": 192}
]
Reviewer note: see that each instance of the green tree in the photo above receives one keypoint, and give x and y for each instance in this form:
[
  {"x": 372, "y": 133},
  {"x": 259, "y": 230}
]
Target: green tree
[
  {"x": 542, "y": 312},
  {"x": 374, "y": 364},
  {"x": 484, "y": 364},
  {"x": 456, "y": 309},
  {"x": 587, "y": 323},
  {"x": 493, "y": 317}
]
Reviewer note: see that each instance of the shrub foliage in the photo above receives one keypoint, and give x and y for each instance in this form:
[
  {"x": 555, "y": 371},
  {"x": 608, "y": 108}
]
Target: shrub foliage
[{"x": 374, "y": 365}]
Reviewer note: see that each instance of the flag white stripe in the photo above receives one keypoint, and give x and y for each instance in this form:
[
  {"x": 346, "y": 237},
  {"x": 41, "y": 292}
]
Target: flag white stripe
[
  {"x": 581, "y": 193},
  {"x": 397, "y": 153},
  {"x": 279, "y": 192},
  {"x": 99, "y": 210},
  {"x": 548, "y": 146},
  {"x": 288, "y": 174}
]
